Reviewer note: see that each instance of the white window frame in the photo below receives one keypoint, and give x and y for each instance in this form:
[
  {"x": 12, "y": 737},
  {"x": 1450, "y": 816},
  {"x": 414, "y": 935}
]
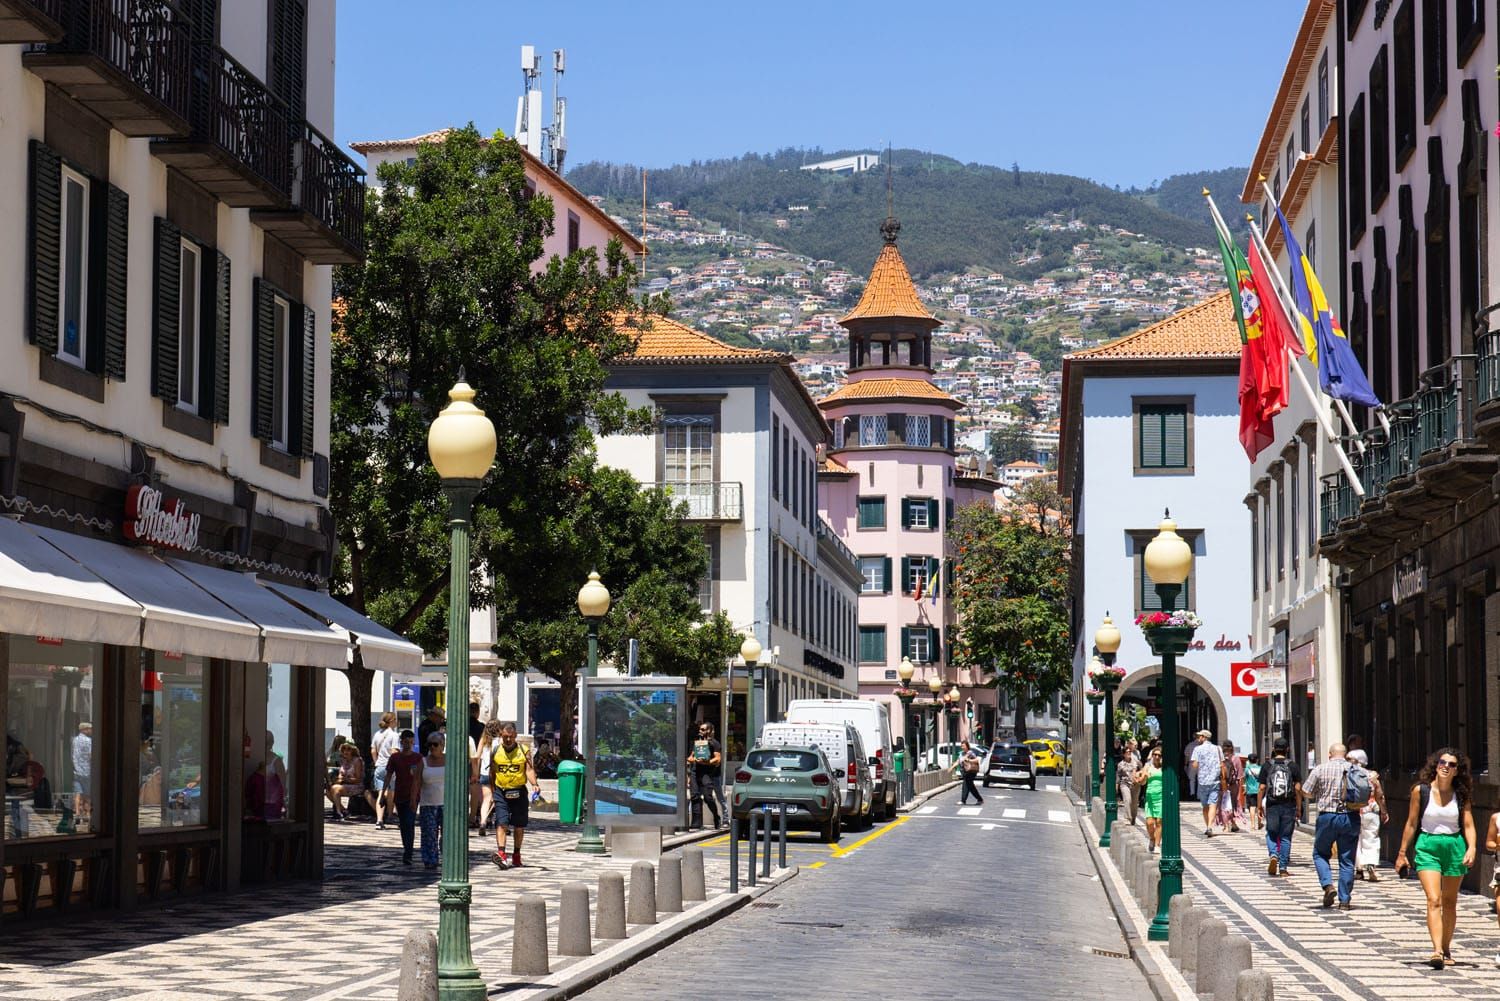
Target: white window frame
[
  {"x": 190, "y": 328},
  {"x": 281, "y": 369},
  {"x": 838, "y": 433},
  {"x": 919, "y": 430},
  {"x": 874, "y": 583},
  {"x": 914, "y": 520},
  {"x": 917, "y": 571},
  {"x": 872, "y": 430},
  {"x": 69, "y": 175},
  {"x": 919, "y": 640}
]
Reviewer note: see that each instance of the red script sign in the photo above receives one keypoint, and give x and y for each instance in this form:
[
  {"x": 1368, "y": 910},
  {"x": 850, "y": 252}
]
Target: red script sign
[{"x": 152, "y": 519}]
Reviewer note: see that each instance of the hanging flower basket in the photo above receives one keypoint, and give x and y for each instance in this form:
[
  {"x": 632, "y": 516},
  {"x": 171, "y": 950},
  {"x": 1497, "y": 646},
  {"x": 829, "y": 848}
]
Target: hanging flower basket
[{"x": 1168, "y": 620}]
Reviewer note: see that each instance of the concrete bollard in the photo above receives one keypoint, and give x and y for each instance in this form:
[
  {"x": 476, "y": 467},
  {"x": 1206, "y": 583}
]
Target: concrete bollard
[
  {"x": 1176, "y": 908},
  {"x": 528, "y": 948},
  {"x": 1253, "y": 985},
  {"x": 1187, "y": 954},
  {"x": 642, "y": 906},
  {"x": 1144, "y": 865},
  {"x": 1234, "y": 960},
  {"x": 1211, "y": 935},
  {"x": 669, "y": 884},
  {"x": 418, "y": 967},
  {"x": 609, "y": 923},
  {"x": 693, "y": 885},
  {"x": 573, "y": 922},
  {"x": 1153, "y": 889}
]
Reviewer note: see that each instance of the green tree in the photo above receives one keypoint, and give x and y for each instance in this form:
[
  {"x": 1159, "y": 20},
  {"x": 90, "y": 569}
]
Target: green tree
[
  {"x": 1010, "y": 442},
  {"x": 1011, "y": 590}
]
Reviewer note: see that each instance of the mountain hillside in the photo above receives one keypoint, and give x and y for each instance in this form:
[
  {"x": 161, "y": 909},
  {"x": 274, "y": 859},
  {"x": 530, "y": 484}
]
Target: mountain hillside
[
  {"x": 954, "y": 216},
  {"x": 1182, "y": 194}
]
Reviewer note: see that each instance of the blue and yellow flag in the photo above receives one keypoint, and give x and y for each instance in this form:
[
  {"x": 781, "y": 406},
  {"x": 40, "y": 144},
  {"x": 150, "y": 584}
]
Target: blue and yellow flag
[{"x": 1339, "y": 371}]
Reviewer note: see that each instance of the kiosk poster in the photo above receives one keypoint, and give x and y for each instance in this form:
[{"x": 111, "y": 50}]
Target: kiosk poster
[{"x": 634, "y": 729}]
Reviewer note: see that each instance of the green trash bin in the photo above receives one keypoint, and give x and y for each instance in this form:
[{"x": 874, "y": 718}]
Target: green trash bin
[
  {"x": 899, "y": 760},
  {"x": 570, "y": 792}
]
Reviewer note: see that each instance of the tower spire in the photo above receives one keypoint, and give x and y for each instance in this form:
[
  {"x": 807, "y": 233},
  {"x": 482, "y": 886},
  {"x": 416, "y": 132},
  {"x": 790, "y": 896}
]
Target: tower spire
[{"x": 891, "y": 227}]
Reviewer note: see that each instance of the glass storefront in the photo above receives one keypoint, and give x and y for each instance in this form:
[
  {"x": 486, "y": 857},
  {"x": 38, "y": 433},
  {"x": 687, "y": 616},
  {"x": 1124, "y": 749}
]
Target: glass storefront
[
  {"x": 52, "y": 763},
  {"x": 270, "y": 722},
  {"x": 174, "y": 741}
]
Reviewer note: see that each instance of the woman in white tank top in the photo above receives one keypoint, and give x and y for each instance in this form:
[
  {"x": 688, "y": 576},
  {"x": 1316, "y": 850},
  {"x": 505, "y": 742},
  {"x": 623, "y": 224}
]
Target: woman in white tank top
[
  {"x": 1442, "y": 822},
  {"x": 430, "y": 814}
]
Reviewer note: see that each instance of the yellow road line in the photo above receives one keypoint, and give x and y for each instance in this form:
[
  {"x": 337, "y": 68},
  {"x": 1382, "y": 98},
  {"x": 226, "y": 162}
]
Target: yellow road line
[
  {"x": 816, "y": 865},
  {"x": 888, "y": 828}
]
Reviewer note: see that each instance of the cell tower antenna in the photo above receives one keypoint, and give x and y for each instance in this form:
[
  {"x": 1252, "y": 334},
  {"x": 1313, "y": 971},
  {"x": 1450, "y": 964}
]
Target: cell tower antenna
[
  {"x": 529, "y": 129},
  {"x": 557, "y": 133}
]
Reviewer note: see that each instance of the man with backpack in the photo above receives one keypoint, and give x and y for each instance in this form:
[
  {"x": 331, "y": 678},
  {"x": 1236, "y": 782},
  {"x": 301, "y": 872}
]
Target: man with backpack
[
  {"x": 1280, "y": 805},
  {"x": 1341, "y": 790}
]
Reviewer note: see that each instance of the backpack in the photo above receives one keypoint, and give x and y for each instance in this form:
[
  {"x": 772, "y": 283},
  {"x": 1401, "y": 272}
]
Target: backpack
[
  {"x": 1357, "y": 790},
  {"x": 1278, "y": 780}
]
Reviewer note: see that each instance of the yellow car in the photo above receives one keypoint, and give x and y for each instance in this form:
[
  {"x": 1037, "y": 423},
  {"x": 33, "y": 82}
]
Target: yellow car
[{"x": 1049, "y": 755}]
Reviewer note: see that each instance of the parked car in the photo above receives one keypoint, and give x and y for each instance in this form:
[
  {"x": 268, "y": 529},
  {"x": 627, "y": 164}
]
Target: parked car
[
  {"x": 1049, "y": 755},
  {"x": 1010, "y": 763},
  {"x": 842, "y": 746},
  {"x": 873, "y": 721},
  {"x": 797, "y": 781}
]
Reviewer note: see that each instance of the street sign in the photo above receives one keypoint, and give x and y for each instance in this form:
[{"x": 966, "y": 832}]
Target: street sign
[
  {"x": 1243, "y": 678},
  {"x": 1270, "y": 681}
]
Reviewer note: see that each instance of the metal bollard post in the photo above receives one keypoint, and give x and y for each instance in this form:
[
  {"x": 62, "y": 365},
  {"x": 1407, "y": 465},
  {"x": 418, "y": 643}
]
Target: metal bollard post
[
  {"x": 753, "y": 839},
  {"x": 782, "y": 835},
  {"x": 766, "y": 845},
  {"x": 734, "y": 854}
]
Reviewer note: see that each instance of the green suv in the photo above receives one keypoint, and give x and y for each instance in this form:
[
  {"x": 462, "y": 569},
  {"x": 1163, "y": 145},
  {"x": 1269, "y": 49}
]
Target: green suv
[{"x": 796, "y": 780}]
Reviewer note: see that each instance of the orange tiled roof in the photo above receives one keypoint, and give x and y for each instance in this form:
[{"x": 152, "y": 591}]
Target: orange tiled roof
[
  {"x": 385, "y": 144},
  {"x": 889, "y": 389},
  {"x": 662, "y": 340},
  {"x": 1206, "y": 330},
  {"x": 832, "y": 465},
  {"x": 889, "y": 292}
]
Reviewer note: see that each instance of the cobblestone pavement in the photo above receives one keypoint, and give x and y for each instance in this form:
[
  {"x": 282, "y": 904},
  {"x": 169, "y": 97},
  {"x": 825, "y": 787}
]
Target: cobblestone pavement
[
  {"x": 1377, "y": 950},
  {"x": 304, "y": 941},
  {"x": 1001, "y": 902}
]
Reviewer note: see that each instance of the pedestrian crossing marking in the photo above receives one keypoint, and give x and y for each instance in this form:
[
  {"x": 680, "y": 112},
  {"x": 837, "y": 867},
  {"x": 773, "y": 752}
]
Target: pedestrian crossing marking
[
  {"x": 968, "y": 811},
  {"x": 1059, "y": 816},
  {"x": 928, "y": 809},
  {"x": 1014, "y": 814}
]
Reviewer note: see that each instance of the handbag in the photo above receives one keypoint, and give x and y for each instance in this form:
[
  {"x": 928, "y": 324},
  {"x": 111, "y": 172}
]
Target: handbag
[{"x": 42, "y": 799}]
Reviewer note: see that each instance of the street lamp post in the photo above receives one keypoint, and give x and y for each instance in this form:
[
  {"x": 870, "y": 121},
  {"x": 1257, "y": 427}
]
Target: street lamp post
[
  {"x": 593, "y": 605},
  {"x": 1168, "y": 559},
  {"x": 955, "y": 700},
  {"x": 750, "y": 650},
  {"x": 935, "y": 686},
  {"x": 1107, "y": 642},
  {"x": 1094, "y": 699},
  {"x": 461, "y": 445},
  {"x": 906, "y": 694}
]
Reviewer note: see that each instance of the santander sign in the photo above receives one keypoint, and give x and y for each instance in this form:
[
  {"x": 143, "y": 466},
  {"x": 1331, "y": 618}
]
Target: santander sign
[{"x": 152, "y": 519}]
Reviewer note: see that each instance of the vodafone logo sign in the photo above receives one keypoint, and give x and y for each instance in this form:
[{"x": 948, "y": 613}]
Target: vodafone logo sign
[{"x": 1244, "y": 679}]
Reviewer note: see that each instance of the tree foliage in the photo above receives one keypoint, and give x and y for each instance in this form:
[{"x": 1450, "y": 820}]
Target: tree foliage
[
  {"x": 1011, "y": 593},
  {"x": 1010, "y": 443}
]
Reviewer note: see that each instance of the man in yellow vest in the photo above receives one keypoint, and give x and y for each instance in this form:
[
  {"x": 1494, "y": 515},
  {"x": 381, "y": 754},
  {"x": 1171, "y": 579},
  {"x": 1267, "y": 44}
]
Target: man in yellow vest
[{"x": 513, "y": 772}]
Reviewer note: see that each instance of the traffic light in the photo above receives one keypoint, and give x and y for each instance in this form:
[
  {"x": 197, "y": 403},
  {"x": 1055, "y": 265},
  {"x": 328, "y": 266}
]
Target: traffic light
[
  {"x": 1065, "y": 710},
  {"x": 969, "y": 708}
]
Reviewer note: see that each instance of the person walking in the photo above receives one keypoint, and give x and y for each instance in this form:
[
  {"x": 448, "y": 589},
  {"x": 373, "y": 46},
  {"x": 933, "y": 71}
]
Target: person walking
[
  {"x": 1208, "y": 765},
  {"x": 1125, "y": 768},
  {"x": 1367, "y": 855},
  {"x": 1148, "y": 779},
  {"x": 1492, "y": 845},
  {"x": 1229, "y": 798},
  {"x": 1281, "y": 805},
  {"x": 968, "y": 769},
  {"x": 488, "y": 741},
  {"x": 1252, "y": 791},
  {"x": 513, "y": 771},
  {"x": 434, "y": 766},
  {"x": 385, "y": 743},
  {"x": 1441, "y": 819},
  {"x": 1339, "y": 802},
  {"x": 708, "y": 764},
  {"x": 403, "y": 788}
]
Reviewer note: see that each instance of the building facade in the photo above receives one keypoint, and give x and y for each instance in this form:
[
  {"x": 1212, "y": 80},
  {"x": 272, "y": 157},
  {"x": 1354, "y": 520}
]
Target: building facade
[
  {"x": 164, "y": 293},
  {"x": 737, "y": 439},
  {"x": 1150, "y": 424},
  {"x": 890, "y": 486}
]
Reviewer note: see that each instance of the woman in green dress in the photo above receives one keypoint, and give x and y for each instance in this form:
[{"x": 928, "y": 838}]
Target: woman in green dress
[{"x": 1150, "y": 777}]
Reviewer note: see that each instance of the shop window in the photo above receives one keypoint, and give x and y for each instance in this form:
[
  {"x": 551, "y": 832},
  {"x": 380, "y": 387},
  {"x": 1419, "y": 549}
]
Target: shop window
[
  {"x": 174, "y": 734},
  {"x": 52, "y": 739},
  {"x": 269, "y": 749}
]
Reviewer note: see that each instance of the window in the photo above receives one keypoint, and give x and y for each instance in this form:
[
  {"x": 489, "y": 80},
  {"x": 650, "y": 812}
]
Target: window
[
  {"x": 1311, "y": 501},
  {"x": 920, "y": 644},
  {"x": 1323, "y": 94},
  {"x": 1408, "y": 363},
  {"x": 918, "y": 430},
  {"x": 872, "y": 644},
  {"x": 872, "y": 429},
  {"x": 1353, "y": 11},
  {"x": 1382, "y": 371},
  {"x": 1275, "y": 189},
  {"x": 1146, "y": 598},
  {"x": 872, "y": 512},
  {"x": 1472, "y": 209},
  {"x": 73, "y": 268},
  {"x": 1254, "y": 550},
  {"x": 174, "y": 741},
  {"x": 1434, "y": 55},
  {"x": 1380, "y": 129},
  {"x": 1291, "y": 157},
  {"x": 270, "y": 765},
  {"x": 688, "y": 448},
  {"x": 1310, "y": 242},
  {"x": 284, "y": 402},
  {"x": 189, "y": 320},
  {"x": 836, "y": 427},
  {"x": 706, "y": 582},
  {"x": 573, "y": 237},
  {"x": 1307, "y": 125},
  {"x": 775, "y": 458},
  {"x": 53, "y": 739},
  {"x": 1163, "y": 436},
  {"x": 919, "y": 513},
  {"x": 786, "y": 468},
  {"x": 917, "y": 571},
  {"x": 1280, "y": 530},
  {"x": 281, "y": 312},
  {"x": 1404, "y": 39},
  {"x": 1294, "y": 498},
  {"x": 1356, "y": 172},
  {"x": 1469, "y": 15},
  {"x": 1439, "y": 277}
]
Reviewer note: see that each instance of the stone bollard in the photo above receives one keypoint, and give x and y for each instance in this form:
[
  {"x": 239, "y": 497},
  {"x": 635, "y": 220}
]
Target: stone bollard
[
  {"x": 1187, "y": 955},
  {"x": 1153, "y": 890},
  {"x": 610, "y": 921},
  {"x": 1144, "y": 865},
  {"x": 1235, "y": 959},
  {"x": 418, "y": 967},
  {"x": 573, "y": 922},
  {"x": 1253, "y": 985},
  {"x": 693, "y": 885},
  {"x": 642, "y": 907},
  {"x": 1177, "y": 908},
  {"x": 669, "y": 884},
  {"x": 1211, "y": 934},
  {"x": 528, "y": 948}
]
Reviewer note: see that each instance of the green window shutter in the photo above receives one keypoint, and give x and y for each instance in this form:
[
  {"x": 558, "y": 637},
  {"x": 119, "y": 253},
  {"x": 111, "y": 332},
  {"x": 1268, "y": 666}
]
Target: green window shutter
[
  {"x": 265, "y": 360},
  {"x": 111, "y": 253},
  {"x": 287, "y": 70},
  {"x": 905, "y": 513},
  {"x": 1150, "y": 430},
  {"x": 948, "y": 512},
  {"x": 45, "y": 246},
  {"x": 906, "y": 641},
  {"x": 934, "y": 567},
  {"x": 885, "y": 574},
  {"x": 1174, "y": 437},
  {"x": 1149, "y": 601},
  {"x": 932, "y": 515},
  {"x": 220, "y": 334},
  {"x": 304, "y": 376},
  {"x": 905, "y": 574},
  {"x": 166, "y": 319}
]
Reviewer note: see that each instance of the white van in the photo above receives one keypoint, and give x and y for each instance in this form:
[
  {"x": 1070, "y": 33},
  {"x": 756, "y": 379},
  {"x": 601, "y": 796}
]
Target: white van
[
  {"x": 841, "y": 744},
  {"x": 873, "y": 721}
]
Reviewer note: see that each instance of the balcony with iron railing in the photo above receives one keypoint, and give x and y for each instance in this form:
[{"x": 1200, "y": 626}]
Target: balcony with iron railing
[
  {"x": 705, "y": 500},
  {"x": 326, "y": 223},
  {"x": 125, "y": 60},
  {"x": 828, "y": 537},
  {"x": 30, "y": 21}
]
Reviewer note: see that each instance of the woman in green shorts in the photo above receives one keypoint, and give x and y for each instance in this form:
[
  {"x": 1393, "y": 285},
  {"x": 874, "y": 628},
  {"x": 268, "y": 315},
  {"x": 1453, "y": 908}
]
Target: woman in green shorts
[
  {"x": 1149, "y": 776},
  {"x": 1442, "y": 822}
]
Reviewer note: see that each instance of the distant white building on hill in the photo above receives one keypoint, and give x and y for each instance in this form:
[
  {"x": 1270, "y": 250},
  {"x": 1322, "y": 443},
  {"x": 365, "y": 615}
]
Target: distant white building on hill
[{"x": 846, "y": 164}]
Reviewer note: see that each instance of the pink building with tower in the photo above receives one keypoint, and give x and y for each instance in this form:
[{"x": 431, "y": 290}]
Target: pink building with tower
[{"x": 889, "y": 485}]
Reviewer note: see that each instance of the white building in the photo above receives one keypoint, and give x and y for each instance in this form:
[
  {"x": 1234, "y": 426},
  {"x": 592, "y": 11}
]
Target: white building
[
  {"x": 846, "y": 164},
  {"x": 1150, "y": 422}
]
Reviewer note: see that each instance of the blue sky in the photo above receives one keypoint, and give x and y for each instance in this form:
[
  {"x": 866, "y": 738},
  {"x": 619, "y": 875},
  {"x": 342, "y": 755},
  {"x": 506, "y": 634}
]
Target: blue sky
[{"x": 1123, "y": 92}]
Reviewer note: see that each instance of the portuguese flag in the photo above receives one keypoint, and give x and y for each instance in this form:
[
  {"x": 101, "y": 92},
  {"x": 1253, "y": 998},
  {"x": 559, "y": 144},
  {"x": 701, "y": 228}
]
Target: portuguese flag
[{"x": 1263, "y": 333}]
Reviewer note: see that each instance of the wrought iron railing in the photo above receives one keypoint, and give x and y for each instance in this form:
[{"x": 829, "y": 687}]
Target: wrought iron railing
[
  {"x": 1488, "y": 367},
  {"x": 1337, "y": 502},
  {"x": 146, "y": 40},
  {"x": 329, "y": 185},
  {"x": 706, "y": 501},
  {"x": 828, "y": 535},
  {"x": 234, "y": 111},
  {"x": 51, "y": 8}
]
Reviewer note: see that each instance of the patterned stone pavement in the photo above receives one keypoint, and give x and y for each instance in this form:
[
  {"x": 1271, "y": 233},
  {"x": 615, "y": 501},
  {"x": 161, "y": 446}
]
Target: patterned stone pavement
[{"x": 306, "y": 941}]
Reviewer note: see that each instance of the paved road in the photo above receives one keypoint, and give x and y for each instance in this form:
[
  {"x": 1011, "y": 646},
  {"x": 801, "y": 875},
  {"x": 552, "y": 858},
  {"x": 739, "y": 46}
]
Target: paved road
[{"x": 996, "y": 901}]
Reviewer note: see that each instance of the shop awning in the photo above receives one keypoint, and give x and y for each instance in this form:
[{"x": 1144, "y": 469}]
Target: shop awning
[
  {"x": 381, "y": 649},
  {"x": 288, "y": 635},
  {"x": 45, "y": 593},
  {"x": 180, "y": 616}
]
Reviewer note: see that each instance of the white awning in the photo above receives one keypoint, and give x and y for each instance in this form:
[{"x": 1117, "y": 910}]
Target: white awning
[
  {"x": 45, "y": 593},
  {"x": 381, "y": 649},
  {"x": 288, "y": 635},
  {"x": 180, "y": 616}
]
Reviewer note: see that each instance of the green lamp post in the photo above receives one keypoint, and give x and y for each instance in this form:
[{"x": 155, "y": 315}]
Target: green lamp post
[
  {"x": 935, "y": 686},
  {"x": 1094, "y": 697},
  {"x": 1107, "y": 642},
  {"x": 906, "y": 693},
  {"x": 593, "y": 605},
  {"x": 461, "y": 444},
  {"x": 750, "y": 651},
  {"x": 1168, "y": 559}
]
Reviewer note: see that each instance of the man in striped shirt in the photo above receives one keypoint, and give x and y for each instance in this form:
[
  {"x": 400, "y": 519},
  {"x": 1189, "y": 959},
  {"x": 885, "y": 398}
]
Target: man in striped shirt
[{"x": 1338, "y": 826}]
